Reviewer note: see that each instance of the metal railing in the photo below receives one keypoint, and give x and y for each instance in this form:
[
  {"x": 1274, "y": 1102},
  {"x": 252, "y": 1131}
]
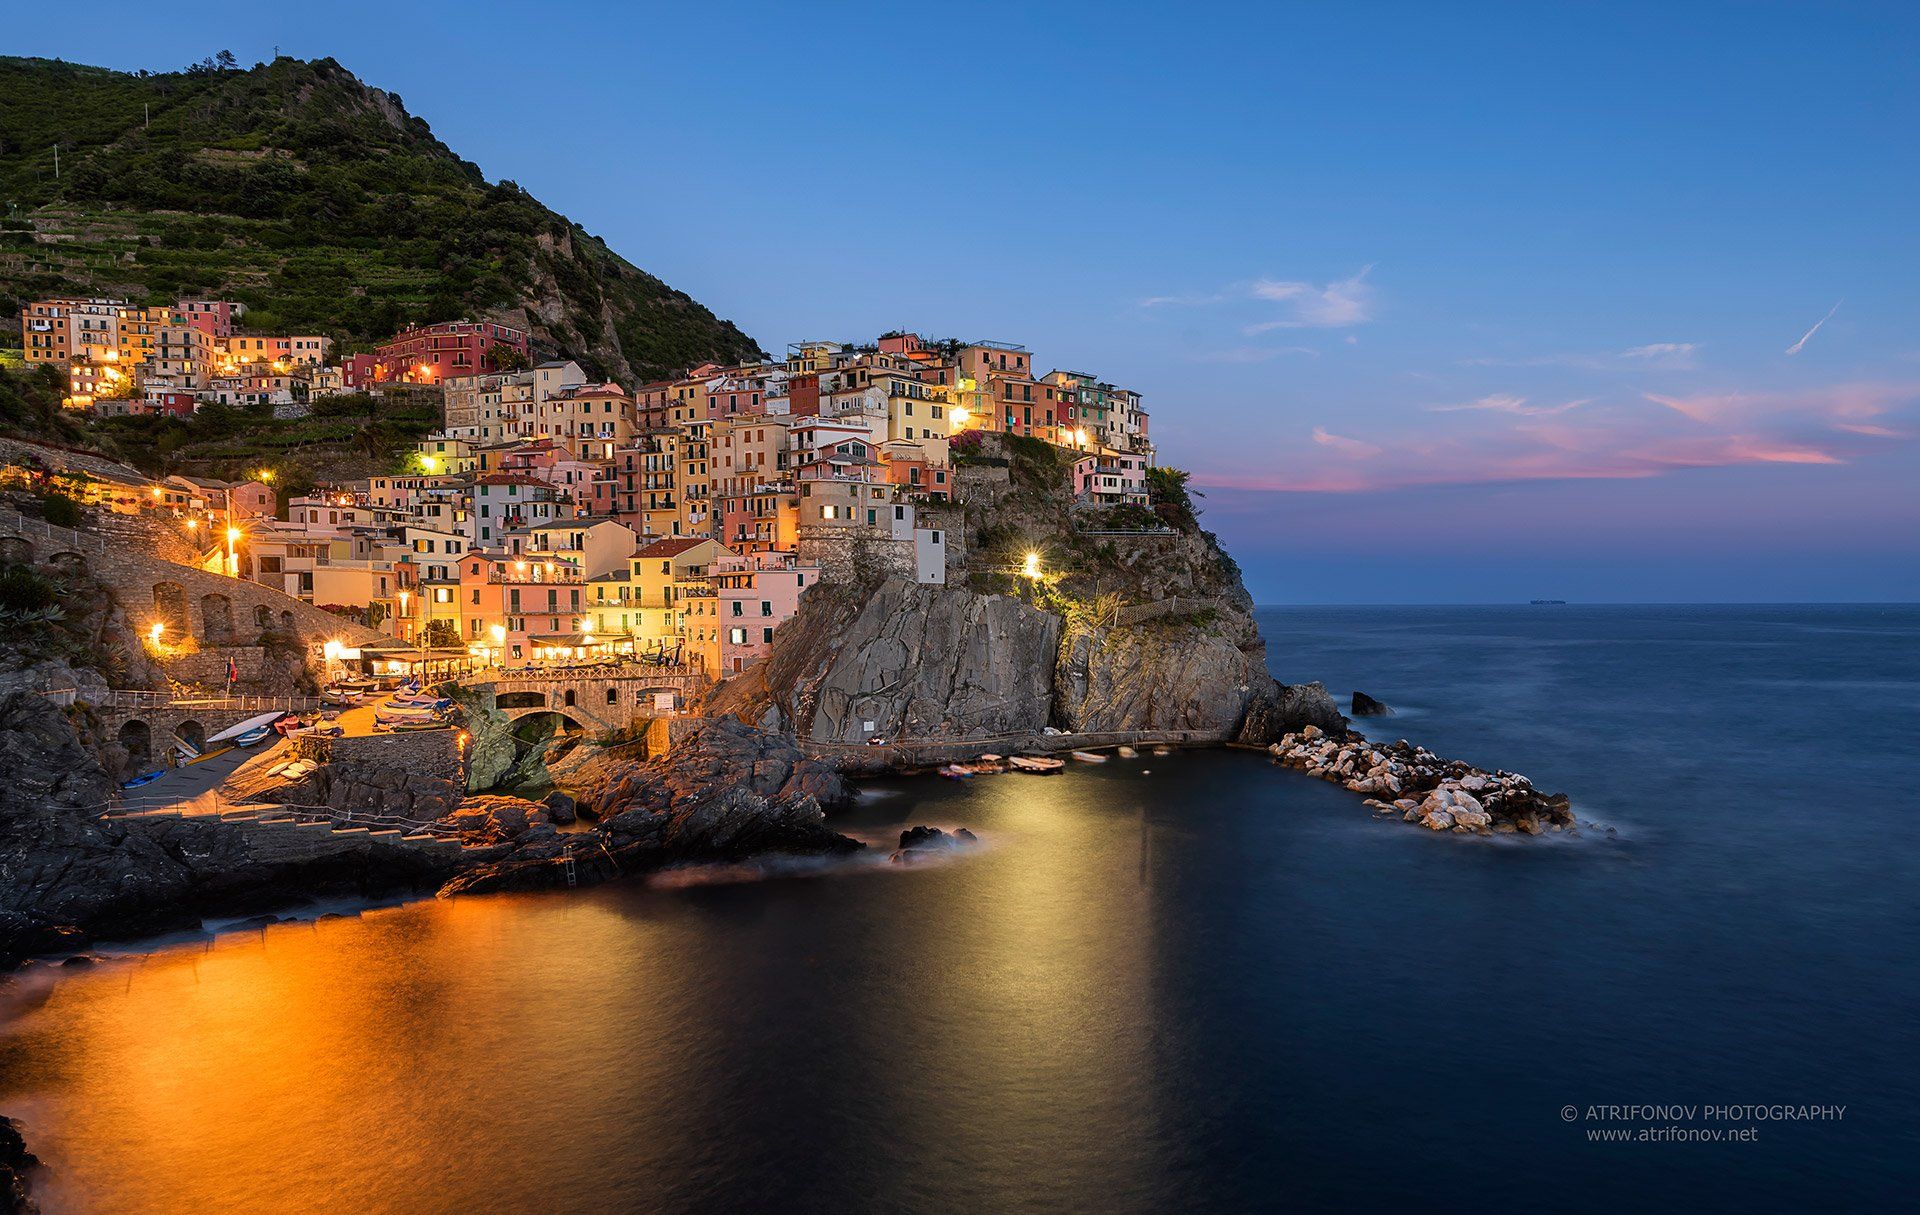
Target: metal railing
[
  {"x": 135, "y": 699},
  {"x": 28, "y": 528}
]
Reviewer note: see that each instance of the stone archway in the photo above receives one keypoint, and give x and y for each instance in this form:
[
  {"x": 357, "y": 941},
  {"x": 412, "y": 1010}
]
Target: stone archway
[
  {"x": 192, "y": 733},
  {"x": 15, "y": 551},
  {"x": 68, "y": 562},
  {"x": 520, "y": 700},
  {"x": 170, "y": 608},
  {"x": 263, "y": 618},
  {"x": 137, "y": 738},
  {"x": 216, "y": 619},
  {"x": 286, "y": 624}
]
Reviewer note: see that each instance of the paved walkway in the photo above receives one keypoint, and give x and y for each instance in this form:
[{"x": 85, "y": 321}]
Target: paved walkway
[{"x": 189, "y": 789}]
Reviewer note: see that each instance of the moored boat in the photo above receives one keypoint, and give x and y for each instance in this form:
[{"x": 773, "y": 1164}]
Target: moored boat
[
  {"x": 1039, "y": 765},
  {"x": 1089, "y": 757},
  {"x": 144, "y": 778}
]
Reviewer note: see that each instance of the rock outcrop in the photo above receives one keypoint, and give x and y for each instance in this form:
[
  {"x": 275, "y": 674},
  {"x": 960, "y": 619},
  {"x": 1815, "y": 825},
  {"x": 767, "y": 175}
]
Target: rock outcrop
[
  {"x": 1366, "y": 706},
  {"x": 929, "y": 661},
  {"x": 924, "y": 843},
  {"x": 725, "y": 792},
  {"x": 1438, "y": 794},
  {"x": 1156, "y": 676}
]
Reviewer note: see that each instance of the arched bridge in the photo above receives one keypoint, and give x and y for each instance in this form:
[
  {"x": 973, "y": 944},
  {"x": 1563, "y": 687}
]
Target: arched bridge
[{"x": 595, "y": 699}]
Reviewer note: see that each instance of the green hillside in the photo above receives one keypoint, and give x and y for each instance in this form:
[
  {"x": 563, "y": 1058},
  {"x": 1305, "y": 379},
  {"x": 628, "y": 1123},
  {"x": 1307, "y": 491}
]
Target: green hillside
[{"x": 317, "y": 201}]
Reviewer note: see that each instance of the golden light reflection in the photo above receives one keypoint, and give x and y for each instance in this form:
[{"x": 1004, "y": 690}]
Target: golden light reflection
[{"x": 342, "y": 1065}]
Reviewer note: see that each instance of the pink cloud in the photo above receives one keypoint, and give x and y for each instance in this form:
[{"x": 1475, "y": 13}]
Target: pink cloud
[
  {"x": 1342, "y": 444},
  {"x": 1503, "y": 438}
]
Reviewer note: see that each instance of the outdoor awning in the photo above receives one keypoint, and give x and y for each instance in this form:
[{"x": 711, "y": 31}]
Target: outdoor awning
[{"x": 580, "y": 640}]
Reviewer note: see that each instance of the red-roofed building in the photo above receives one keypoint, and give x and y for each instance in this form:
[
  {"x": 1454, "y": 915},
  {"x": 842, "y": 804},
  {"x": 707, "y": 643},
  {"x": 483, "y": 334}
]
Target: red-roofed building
[{"x": 428, "y": 354}]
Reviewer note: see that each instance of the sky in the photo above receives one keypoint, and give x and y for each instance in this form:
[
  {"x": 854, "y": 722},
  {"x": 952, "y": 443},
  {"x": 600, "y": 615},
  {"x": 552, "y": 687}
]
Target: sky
[{"x": 1438, "y": 303}]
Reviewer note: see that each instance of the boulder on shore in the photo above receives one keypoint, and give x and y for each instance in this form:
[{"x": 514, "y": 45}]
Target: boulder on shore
[
  {"x": 917, "y": 843},
  {"x": 725, "y": 792},
  {"x": 1366, "y": 706}
]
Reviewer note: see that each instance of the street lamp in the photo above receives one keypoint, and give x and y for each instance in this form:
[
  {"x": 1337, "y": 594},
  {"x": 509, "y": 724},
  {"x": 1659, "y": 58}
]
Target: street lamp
[
  {"x": 1032, "y": 566},
  {"x": 499, "y": 643},
  {"x": 233, "y": 558}
]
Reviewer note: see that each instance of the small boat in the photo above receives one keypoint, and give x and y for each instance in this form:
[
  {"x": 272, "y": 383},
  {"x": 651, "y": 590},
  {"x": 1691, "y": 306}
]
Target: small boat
[
  {"x": 1089, "y": 757},
  {"x": 144, "y": 778},
  {"x": 253, "y": 737},
  {"x": 204, "y": 756},
  {"x": 419, "y": 702},
  {"x": 1039, "y": 765},
  {"x": 1163, "y": 750},
  {"x": 263, "y": 723},
  {"x": 991, "y": 758},
  {"x": 1126, "y": 752},
  {"x": 409, "y": 723},
  {"x": 957, "y": 771}
]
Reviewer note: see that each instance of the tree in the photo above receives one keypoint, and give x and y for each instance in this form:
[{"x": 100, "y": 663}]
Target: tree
[
  {"x": 505, "y": 358},
  {"x": 226, "y": 61},
  {"x": 440, "y": 635}
]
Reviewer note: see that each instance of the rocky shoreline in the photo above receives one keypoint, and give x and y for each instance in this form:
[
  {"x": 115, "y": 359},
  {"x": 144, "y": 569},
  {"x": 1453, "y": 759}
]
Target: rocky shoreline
[{"x": 1437, "y": 793}]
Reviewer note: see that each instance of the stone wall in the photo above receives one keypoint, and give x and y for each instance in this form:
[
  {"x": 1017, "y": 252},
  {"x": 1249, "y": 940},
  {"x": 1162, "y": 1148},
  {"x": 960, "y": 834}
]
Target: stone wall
[
  {"x": 845, "y": 554},
  {"x": 418, "y": 775}
]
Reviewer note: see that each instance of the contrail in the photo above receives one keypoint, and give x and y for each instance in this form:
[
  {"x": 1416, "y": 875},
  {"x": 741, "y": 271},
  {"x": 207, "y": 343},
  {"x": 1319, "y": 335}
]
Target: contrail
[{"x": 1795, "y": 348}]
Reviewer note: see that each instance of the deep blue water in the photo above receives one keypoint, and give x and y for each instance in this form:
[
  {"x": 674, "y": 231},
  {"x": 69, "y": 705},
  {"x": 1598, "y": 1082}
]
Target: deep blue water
[{"x": 1193, "y": 982}]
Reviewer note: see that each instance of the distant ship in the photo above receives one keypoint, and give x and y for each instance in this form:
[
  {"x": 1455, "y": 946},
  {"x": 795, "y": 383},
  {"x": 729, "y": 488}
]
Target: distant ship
[{"x": 1538, "y": 602}]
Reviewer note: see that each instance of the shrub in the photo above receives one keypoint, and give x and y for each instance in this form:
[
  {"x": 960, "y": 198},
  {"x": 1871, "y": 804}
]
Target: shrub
[{"x": 61, "y": 511}]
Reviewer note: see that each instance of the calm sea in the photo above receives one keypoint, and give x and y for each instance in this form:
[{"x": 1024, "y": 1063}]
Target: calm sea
[{"x": 1192, "y": 982}]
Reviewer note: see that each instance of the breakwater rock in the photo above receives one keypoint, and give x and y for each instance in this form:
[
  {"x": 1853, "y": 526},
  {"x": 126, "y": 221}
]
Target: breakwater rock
[
  {"x": 1421, "y": 787},
  {"x": 725, "y": 792}
]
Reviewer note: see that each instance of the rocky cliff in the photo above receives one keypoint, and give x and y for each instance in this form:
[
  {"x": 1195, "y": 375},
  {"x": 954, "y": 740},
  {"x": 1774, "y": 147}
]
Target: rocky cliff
[{"x": 1136, "y": 622}]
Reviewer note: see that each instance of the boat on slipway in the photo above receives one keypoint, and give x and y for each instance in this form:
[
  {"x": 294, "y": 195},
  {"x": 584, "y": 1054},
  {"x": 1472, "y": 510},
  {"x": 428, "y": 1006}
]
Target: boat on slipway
[{"x": 249, "y": 732}]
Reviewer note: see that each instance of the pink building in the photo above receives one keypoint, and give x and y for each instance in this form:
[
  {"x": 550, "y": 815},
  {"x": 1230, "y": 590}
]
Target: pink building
[
  {"x": 215, "y": 318},
  {"x": 1109, "y": 478},
  {"x": 757, "y": 593},
  {"x": 535, "y": 605},
  {"x": 359, "y": 372}
]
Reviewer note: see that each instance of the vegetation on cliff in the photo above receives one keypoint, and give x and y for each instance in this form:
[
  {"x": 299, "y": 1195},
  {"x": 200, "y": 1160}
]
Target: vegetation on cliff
[{"x": 316, "y": 200}]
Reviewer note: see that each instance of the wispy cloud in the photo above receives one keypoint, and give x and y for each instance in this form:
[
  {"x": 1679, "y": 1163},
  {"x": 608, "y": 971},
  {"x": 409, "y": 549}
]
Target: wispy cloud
[
  {"x": 1357, "y": 448},
  {"x": 1668, "y": 356},
  {"x": 1339, "y": 304},
  {"x": 1655, "y": 350},
  {"x": 1671, "y": 356},
  {"x": 1254, "y": 354},
  {"x": 1189, "y": 300},
  {"x": 1800, "y": 345},
  {"x": 1508, "y": 403},
  {"x": 1336, "y": 305}
]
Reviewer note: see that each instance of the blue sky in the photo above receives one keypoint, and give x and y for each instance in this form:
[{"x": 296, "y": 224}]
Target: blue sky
[{"x": 1440, "y": 303}]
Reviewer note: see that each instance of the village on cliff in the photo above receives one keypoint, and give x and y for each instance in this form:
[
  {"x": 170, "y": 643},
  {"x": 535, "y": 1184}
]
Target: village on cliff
[{"x": 556, "y": 521}]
